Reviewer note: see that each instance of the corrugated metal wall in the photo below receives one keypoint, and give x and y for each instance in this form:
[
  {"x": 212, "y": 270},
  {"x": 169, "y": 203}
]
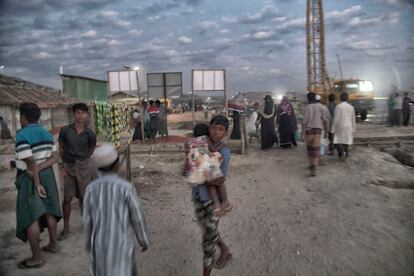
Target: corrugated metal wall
[{"x": 85, "y": 89}]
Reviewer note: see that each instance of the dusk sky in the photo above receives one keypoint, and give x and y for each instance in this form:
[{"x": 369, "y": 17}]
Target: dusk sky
[{"x": 260, "y": 43}]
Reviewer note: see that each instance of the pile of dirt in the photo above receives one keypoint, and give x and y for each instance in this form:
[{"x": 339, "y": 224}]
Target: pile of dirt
[{"x": 380, "y": 168}]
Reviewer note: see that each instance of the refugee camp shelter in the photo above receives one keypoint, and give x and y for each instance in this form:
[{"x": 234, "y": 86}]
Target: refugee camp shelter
[
  {"x": 84, "y": 88},
  {"x": 55, "y": 107}
]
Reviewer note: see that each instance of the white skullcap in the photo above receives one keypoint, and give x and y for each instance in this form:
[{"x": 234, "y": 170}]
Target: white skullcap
[
  {"x": 318, "y": 97},
  {"x": 104, "y": 155}
]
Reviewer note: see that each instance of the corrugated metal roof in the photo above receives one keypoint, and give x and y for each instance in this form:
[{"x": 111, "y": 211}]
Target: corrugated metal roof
[{"x": 14, "y": 91}]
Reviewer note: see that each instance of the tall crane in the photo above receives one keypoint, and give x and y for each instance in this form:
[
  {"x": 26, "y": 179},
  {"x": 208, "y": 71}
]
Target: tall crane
[
  {"x": 318, "y": 80},
  {"x": 360, "y": 92}
]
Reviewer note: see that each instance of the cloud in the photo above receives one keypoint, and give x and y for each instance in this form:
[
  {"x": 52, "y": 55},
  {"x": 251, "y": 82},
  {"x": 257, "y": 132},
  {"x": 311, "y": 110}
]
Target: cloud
[
  {"x": 91, "y": 33},
  {"x": 185, "y": 40},
  {"x": 42, "y": 55},
  {"x": 261, "y": 35},
  {"x": 109, "y": 13},
  {"x": 205, "y": 26},
  {"x": 135, "y": 32},
  {"x": 114, "y": 42},
  {"x": 267, "y": 12},
  {"x": 122, "y": 23}
]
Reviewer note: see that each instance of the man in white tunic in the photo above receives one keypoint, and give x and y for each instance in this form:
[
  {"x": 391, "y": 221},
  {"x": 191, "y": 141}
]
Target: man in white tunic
[
  {"x": 112, "y": 217},
  {"x": 344, "y": 127}
]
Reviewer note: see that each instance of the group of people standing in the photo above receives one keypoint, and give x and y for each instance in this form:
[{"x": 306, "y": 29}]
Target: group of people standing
[
  {"x": 110, "y": 208},
  {"x": 154, "y": 121},
  {"x": 333, "y": 122},
  {"x": 399, "y": 109}
]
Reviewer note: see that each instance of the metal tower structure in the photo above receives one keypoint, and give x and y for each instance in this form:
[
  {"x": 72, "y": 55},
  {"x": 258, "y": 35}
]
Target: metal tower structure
[{"x": 317, "y": 75}]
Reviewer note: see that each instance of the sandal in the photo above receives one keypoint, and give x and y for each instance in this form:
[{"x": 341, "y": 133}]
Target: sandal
[
  {"x": 222, "y": 264},
  {"x": 50, "y": 249},
  {"x": 219, "y": 212},
  {"x": 24, "y": 265}
]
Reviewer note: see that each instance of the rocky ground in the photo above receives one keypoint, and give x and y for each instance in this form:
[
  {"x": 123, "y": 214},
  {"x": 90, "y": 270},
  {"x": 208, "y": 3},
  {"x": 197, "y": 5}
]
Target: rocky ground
[{"x": 355, "y": 218}]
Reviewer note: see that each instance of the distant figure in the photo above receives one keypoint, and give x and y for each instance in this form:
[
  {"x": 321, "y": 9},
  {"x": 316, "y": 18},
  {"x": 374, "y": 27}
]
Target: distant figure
[
  {"x": 163, "y": 124},
  {"x": 147, "y": 120},
  {"x": 5, "y": 132},
  {"x": 235, "y": 133},
  {"x": 406, "y": 110},
  {"x": 136, "y": 119},
  {"x": 344, "y": 127},
  {"x": 390, "y": 105},
  {"x": 154, "y": 113},
  {"x": 315, "y": 120},
  {"x": 251, "y": 126},
  {"x": 112, "y": 218},
  {"x": 331, "y": 108},
  {"x": 287, "y": 124},
  {"x": 267, "y": 120},
  {"x": 398, "y": 105}
]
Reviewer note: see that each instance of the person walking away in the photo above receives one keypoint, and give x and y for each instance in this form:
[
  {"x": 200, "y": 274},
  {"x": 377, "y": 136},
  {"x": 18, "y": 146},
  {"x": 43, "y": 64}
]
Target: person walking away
[
  {"x": 37, "y": 203},
  {"x": 391, "y": 104},
  {"x": 266, "y": 117},
  {"x": 398, "y": 109},
  {"x": 344, "y": 127},
  {"x": 406, "y": 110},
  {"x": 112, "y": 216},
  {"x": 331, "y": 108},
  {"x": 287, "y": 124},
  {"x": 252, "y": 126},
  {"x": 154, "y": 113},
  {"x": 203, "y": 204},
  {"x": 5, "y": 132},
  {"x": 315, "y": 120},
  {"x": 163, "y": 123},
  {"x": 76, "y": 145}
]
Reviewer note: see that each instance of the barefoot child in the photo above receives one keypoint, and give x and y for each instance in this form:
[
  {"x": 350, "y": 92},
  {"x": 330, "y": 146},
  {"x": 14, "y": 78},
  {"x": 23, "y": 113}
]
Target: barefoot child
[{"x": 202, "y": 165}]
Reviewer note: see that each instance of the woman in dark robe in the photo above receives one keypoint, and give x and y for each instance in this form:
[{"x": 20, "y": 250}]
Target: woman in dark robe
[
  {"x": 235, "y": 134},
  {"x": 266, "y": 117},
  {"x": 287, "y": 124}
]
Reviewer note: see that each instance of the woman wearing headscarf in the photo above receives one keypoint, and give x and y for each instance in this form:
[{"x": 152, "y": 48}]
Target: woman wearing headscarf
[
  {"x": 287, "y": 124},
  {"x": 266, "y": 117}
]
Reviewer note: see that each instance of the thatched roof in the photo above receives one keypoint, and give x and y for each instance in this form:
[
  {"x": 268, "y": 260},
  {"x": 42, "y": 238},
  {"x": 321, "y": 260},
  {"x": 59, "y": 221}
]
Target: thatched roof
[{"x": 14, "y": 91}]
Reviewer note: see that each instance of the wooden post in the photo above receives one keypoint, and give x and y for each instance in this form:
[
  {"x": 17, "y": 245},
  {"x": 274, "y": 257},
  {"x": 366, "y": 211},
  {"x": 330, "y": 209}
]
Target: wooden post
[
  {"x": 192, "y": 96},
  {"x": 140, "y": 105},
  {"x": 128, "y": 163},
  {"x": 225, "y": 95},
  {"x": 243, "y": 133},
  {"x": 165, "y": 102}
]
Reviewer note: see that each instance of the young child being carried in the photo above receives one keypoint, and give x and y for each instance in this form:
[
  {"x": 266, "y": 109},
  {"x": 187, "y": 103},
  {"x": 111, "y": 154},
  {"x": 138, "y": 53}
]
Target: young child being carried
[{"x": 203, "y": 165}]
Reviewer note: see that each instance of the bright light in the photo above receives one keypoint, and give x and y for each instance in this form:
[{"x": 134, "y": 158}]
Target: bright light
[
  {"x": 1, "y": 67},
  {"x": 136, "y": 68},
  {"x": 208, "y": 98},
  {"x": 245, "y": 99},
  {"x": 279, "y": 97},
  {"x": 365, "y": 86}
]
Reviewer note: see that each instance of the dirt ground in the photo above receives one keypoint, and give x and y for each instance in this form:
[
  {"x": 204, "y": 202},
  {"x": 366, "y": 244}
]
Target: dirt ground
[{"x": 345, "y": 221}]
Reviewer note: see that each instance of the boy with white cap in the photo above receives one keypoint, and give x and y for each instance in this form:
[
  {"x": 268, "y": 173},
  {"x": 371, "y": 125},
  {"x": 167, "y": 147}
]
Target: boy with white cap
[{"x": 112, "y": 217}]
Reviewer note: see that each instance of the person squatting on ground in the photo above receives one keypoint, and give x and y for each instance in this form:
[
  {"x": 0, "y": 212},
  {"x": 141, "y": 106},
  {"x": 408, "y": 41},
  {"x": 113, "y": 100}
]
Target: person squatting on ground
[
  {"x": 76, "y": 145},
  {"x": 203, "y": 165},
  {"x": 113, "y": 217},
  {"x": 315, "y": 120},
  {"x": 344, "y": 127},
  {"x": 204, "y": 206},
  {"x": 37, "y": 193}
]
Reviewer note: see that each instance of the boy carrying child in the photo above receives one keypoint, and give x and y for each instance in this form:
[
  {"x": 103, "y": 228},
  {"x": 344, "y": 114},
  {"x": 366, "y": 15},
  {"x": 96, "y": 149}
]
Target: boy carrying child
[{"x": 203, "y": 202}]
